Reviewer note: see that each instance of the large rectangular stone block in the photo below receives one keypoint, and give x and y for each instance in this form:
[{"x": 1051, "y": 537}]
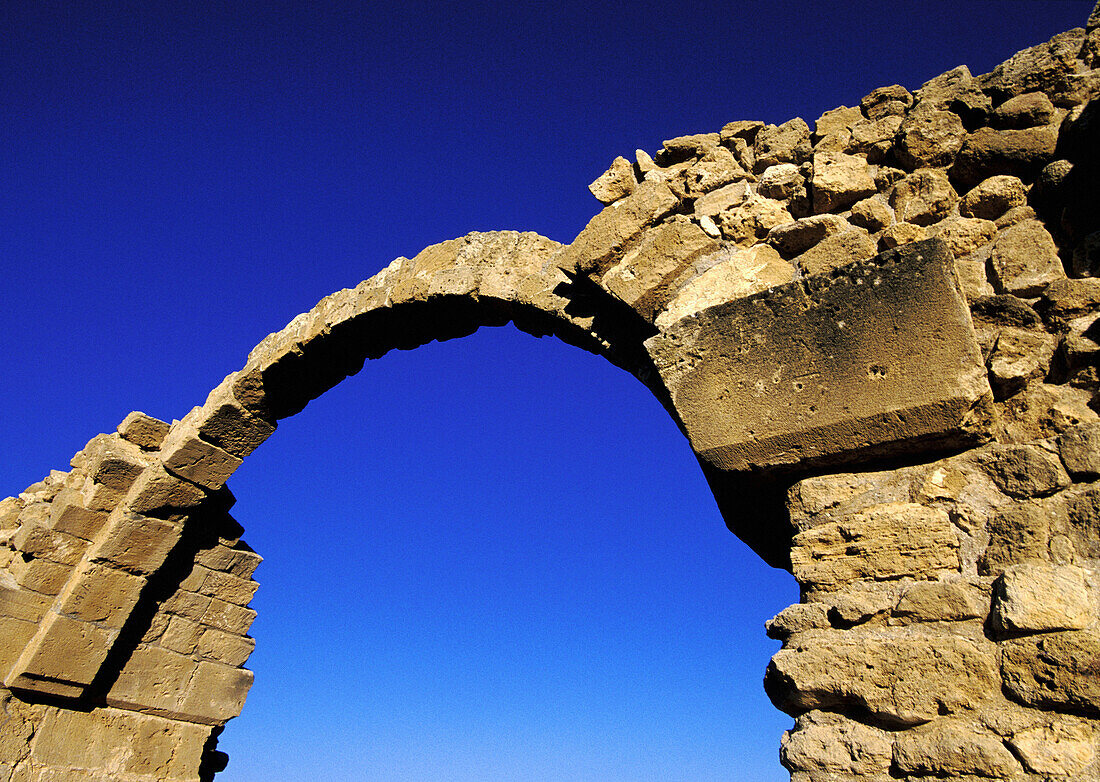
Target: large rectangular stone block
[
  {"x": 866, "y": 360},
  {"x": 62, "y": 658}
]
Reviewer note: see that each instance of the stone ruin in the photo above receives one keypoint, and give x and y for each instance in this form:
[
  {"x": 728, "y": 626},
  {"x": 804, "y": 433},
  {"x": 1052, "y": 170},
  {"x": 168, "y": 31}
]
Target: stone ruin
[{"x": 881, "y": 337}]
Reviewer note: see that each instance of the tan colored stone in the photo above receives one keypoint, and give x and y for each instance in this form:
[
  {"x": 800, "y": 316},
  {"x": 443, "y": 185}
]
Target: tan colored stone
[
  {"x": 924, "y": 197},
  {"x": 1025, "y": 260},
  {"x": 1041, "y": 598},
  {"x": 797, "y": 618},
  {"x": 720, "y": 365},
  {"x": 716, "y": 168},
  {"x": 113, "y": 462},
  {"x": 136, "y": 543},
  {"x": 224, "y": 647},
  {"x": 143, "y": 430},
  {"x": 787, "y": 143},
  {"x": 871, "y": 214},
  {"x": 964, "y": 235},
  {"x": 750, "y": 221},
  {"x": 157, "y": 491},
  {"x": 1054, "y": 670},
  {"x": 1024, "y": 471},
  {"x": 238, "y": 560},
  {"x": 885, "y": 542},
  {"x": 839, "y": 181},
  {"x": 929, "y": 138},
  {"x": 22, "y": 604},
  {"x": 227, "y": 423},
  {"x": 938, "y": 601},
  {"x": 837, "y": 250},
  {"x": 615, "y": 183},
  {"x": 102, "y": 595},
  {"x": 39, "y": 541},
  {"x": 152, "y": 678},
  {"x": 784, "y": 182},
  {"x": 217, "y": 693},
  {"x": 1079, "y": 448},
  {"x": 61, "y": 659},
  {"x": 39, "y": 575},
  {"x": 950, "y": 749},
  {"x": 184, "y": 454},
  {"x": 797, "y": 237},
  {"x": 886, "y": 101},
  {"x": 188, "y": 604},
  {"x": 14, "y": 635},
  {"x": 741, "y": 273},
  {"x": 1043, "y": 410},
  {"x": 827, "y": 743},
  {"x": 836, "y": 121},
  {"x": 991, "y": 198},
  {"x": 608, "y": 232},
  {"x": 896, "y": 677},
  {"x": 228, "y": 617},
  {"x": 1020, "y": 153},
  {"x": 1019, "y": 356},
  {"x": 684, "y": 147},
  {"x": 1061, "y": 750},
  {"x": 642, "y": 277},
  {"x": 900, "y": 234},
  {"x": 68, "y": 514},
  {"x": 181, "y": 635}
]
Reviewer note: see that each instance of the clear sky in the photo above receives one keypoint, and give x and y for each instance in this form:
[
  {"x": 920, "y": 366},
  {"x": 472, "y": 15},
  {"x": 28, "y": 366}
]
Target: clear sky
[{"x": 488, "y": 559}]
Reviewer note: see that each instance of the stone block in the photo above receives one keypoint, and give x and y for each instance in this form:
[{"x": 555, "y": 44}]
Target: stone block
[
  {"x": 895, "y": 677},
  {"x": 225, "y": 647},
  {"x": 40, "y": 541},
  {"x": 938, "y": 601},
  {"x": 231, "y": 589},
  {"x": 1080, "y": 451},
  {"x": 609, "y": 231},
  {"x": 839, "y": 181},
  {"x": 22, "y": 604},
  {"x": 216, "y": 694},
  {"x": 951, "y": 749},
  {"x": 1024, "y": 471},
  {"x": 1054, "y": 671},
  {"x": 615, "y": 183},
  {"x": 136, "y": 543},
  {"x": 238, "y": 560},
  {"x": 187, "y": 604},
  {"x": 68, "y": 514},
  {"x": 1025, "y": 260},
  {"x": 40, "y": 575},
  {"x": 190, "y": 457},
  {"x": 143, "y": 430},
  {"x": 102, "y": 595},
  {"x": 924, "y": 197},
  {"x": 14, "y": 635},
  {"x": 227, "y": 423},
  {"x": 181, "y": 635},
  {"x": 113, "y": 462},
  {"x": 157, "y": 491},
  {"x": 62, "y": 658},
  {"x": 877, "y": 358},
  {"x": 228, "y": 617},
  {"x": 1041, "y": 598},
  {"x": 836, "y": 251},
  {"x": 825, "y": 743},
  {"x": 884, "y": 542},
  {"x": 154, "y": 679},
  {"x": 1063, "y": 749}
]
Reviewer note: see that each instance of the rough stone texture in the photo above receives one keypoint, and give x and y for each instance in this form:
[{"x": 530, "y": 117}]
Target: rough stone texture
[{"x": 948, "y": 627}]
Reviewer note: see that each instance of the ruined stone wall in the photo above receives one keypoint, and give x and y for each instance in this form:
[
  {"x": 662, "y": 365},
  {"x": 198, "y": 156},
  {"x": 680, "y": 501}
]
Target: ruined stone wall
[{"x": 880, "y": 337}]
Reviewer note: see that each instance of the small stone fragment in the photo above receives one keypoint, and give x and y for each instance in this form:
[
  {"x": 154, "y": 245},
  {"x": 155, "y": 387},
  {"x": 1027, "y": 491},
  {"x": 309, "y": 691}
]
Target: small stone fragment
[
  {"x": 615, "y": 183},
  {"x": 964, "y": 235},
  {"x": 783, "y": 182},
  {"x": 901, "y": 233}
]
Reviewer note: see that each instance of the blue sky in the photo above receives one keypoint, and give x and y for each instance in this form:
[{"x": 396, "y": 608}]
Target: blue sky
[{"x": 491, "y": 558}]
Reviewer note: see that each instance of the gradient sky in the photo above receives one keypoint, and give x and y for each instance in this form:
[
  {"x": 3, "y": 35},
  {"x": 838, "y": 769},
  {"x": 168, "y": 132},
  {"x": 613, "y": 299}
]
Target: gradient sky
[{"x": 487, "y": 559}]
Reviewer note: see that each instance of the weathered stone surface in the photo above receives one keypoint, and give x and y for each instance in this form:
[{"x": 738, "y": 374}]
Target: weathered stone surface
[
  {"x": 834, "y": 360},
  {"x": 836, "y": 251},
  {"x": 993, "y": 197},
  {"x": 894, "y": 677},
  {"x": 1054, "y": 670},
  {"x": 938, "y": 601},
  {"x": 987, "y": 152},
  {"x": 608, "y": 232},
  {"x": 786, "y": 143},
  {"x": 184, "y": 454},
  {"x": 682, "y": 148},
  {"x": 872, "y": 214},
  {"x": 740, "y": 273},
  {"x": 615, "y": 183},
  {"x": 964, "y": 235},
  {"x": 1064, "y": 749},
  {"x": 796, "y": 237},
  {"x": 143, "y": 430},
  {"x": 1080, "y": 451},
  {"x": 1042, "y": 68},
  {"x": 797, "y": 618},
  {"x": 882, "y": 543},
  {"x": 947, "y": 749},
  {"x": 783, "y": 182},
  {"x": 716, "y": 168},
  {"x": 1019, "y": 356},
  {"x": 839, "y": 181},
  {"x": 1041, "y": 598},
  {"x": 1024, "y": 111},
  {"x": 641, "y": 278},
  {"x": 924, "y": 197},
  {"x": 1025, "y": 260},
  {"x": 1024, "y": 471},
  {"x": 750, "y": 221},
  {"x": 886, "y": 101},
  {"x": 900, "y": 234},
  {"x": 929, "y": 138},
  {"x": 828, "y": 743},
  {"x": 61, "y": 659}
]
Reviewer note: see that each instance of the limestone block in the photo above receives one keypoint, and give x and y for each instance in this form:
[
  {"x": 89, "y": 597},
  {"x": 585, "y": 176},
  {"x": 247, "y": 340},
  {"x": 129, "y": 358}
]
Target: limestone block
[
  {"x": 1045, "y": 67},
  {"x": 871, "y": 214},
  {"x": 951, "y": 749},
  {"x": 839, "y": 181},
  {"x": 10, "y": 508},
  {"x": 642, "y": 277},
  {"x": 609, "y": 231},
  {"x": 1024, "y": 471},
  {"x": 886, "y": 101},
  {"x": 113, "y": 462},
  {"x": 831, "y": 744},
  {"x": 1063, "y": 749},
  {"x": 1080, "y": 451},
  {"x": 157, "y": 491},
  {"x": 224, "y": 647},
  {"x": 184, "y": 454},
  {"x": 797, "y": 618},
  {"x": 750, "y": 221},
  {"x": 1041, "y": 598},
  {"x": 993, "y": 197},
  {"x": 742, "y": 129},
  {"x": 884, "y": 542},
  {"x": 1019, "y": 356},
  {"x": 227, "y": 423},
  {"x": 143, "y": 430},
  {"x": 102, "y": 595},
  {"x": 615, "y": 183},
  {"x": 1019, "y": 533},
  {"x": 1020, "y": 153},
  {"x": 717, "y": 167},
  {"x": 1065, "y": 299},
  {"x": 837, "y": 120},
  {"x": 231, "y": 589},
  {"x": 682, "y": 148},
  {"x": 216, "y": 694},
  {"x": 135, "y": 543},
  {"x": 740, "y": 273},
  {"x": 1054, "y": 670},
  {"x": 929, "y": 138},
  {"x": 238, "y": 560},
  {"x": 875, "y": 137},
  {"x": 40, "y": 541},
  {"x": 837, "y": 251},
  {"x": 924, "y": 197},
  {"x": 828, "y": 367},
  {"x": 1025, "y": 260},
  {"x": 61, "y": 659},
  {"x": 181, "y": 635},
  {"x": 22, "y": 604},
  {"x": 964, "y": 235},
  {"x": 783, "y": 182},
  {"x": 717, "y": 201},
  {"x": 797, "y": 237},
  {"x": 228, "y": 617},
  {"x": 787, "y": 143},
  {"x": 68, "y": 514},
  {"x": 39, "y": 575},
  {"x": 14, "y": 635},
  {"x": 154, "y": 679},
  {"x": 187, "y": 604},
  {"x": 938, "y": 601},
  {"x": 895, "y": 676},
  {"x": 1043, "y": 410},
  {"x": 861, "y": 603}
]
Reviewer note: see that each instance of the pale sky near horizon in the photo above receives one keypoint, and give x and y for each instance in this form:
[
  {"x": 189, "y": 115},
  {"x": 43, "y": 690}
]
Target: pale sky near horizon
[{"x": 493, "y": 558}]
